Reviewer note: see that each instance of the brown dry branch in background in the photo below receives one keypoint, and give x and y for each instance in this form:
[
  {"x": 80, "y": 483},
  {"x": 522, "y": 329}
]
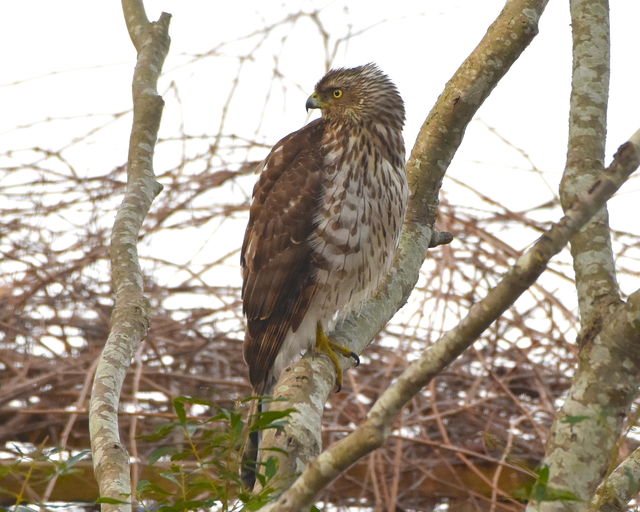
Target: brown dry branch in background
[
  {"x": 470, "y": 440},
  {"x": 56, "y": 304}
]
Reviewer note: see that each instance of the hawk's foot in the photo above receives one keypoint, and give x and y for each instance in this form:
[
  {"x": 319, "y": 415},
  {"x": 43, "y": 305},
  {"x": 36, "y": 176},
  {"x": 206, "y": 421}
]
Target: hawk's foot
[{"x": 326, "y": 346}]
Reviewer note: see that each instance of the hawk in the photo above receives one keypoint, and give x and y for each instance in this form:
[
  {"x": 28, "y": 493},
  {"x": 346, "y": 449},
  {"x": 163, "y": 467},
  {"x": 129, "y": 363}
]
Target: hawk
[{"x": 324, "y": 222}]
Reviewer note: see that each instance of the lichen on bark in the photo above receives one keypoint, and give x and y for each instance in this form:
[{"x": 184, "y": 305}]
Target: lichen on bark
[{"x": 130, "y": 317}]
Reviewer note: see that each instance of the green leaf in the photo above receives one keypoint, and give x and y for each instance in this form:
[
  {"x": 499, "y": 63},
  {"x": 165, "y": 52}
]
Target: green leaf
[
  {"x": 7, "y": 470},
  {"x": 16, "y": 448},
  {"x": 256, "y": 502},
  {"x": 539, "y": 489},
  {"x": 178, "y": 405},
  {"x": 543, "y": 475},
  {"x": 222, "y": 415},
  {"x": 542, "y": 492},
  {"x": 574, "y": 419},
  {"x": 236, "y": 423},
  {"x": 522, "y": 493},
  {"x": 77, "y": 458},
  {"x": 51, "y": 451},
  {"x": 160, "y": 432},
  {"x": 181, "y": 455},
  {"x": 269, "y": 419},
  {"x": 111, "y": 501},
  {"x": 264, "y": 400},
  {"x": 205, "y": 485},
  {"x": 260, "y": 477},
  {"x": 144, "y": 486},
  {"x": 171, "y": 476},
  {"x": 160, "y": 452},
  {"x": 270, "y": 468},
  {"x": 276, "y": 450},
  {"x": 252, "y": 398},
  {"x": 538, "y": 492},
  {"x": 191, "y": 428},
  {"x": 554, "y": 494}
]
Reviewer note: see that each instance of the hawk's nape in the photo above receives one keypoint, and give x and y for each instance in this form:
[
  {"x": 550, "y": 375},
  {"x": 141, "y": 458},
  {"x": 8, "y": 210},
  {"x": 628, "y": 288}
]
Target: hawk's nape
[{"x": 324, "y": 222}]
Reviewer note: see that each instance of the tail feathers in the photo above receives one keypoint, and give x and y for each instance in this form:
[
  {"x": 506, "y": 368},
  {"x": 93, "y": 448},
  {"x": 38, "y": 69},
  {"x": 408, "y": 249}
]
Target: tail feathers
[
  {"x": 250, "y": 460},
  {"x": 250, "y": 454}
]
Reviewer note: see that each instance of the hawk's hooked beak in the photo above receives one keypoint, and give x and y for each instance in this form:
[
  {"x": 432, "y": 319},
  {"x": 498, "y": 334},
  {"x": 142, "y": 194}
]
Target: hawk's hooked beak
[{"x": 313, "y": 101}]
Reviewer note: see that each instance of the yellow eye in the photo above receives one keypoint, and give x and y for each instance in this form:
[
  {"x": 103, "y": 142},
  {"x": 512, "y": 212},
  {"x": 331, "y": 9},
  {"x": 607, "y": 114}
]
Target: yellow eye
[{"x": 337, "y": 93}]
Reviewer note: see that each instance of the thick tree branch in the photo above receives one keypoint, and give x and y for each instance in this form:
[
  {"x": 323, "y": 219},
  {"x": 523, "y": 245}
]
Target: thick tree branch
[
  {"x": 605, "y": 384},
  {"x": 130, "y": 315},
  {"x": 137, "y": 21},
  {"x": 579, "y": 453},
  {"x": 592, "y": 418},
  {"x": 623, "y": 484},
  {"x": 308, "y": 383},
  {"x": 372, "y": 433},
  {"x": 591, "y": 248}
]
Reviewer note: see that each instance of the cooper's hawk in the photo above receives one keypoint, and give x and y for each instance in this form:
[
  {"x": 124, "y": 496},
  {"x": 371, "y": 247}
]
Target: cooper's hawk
[{"x": 324, "y": 222}]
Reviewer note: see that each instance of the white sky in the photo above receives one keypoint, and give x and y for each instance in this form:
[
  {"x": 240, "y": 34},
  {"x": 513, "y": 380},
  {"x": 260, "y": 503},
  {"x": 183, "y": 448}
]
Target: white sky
[
  {"x": 84, "y": 42},
  {"x": 419, "y": 47}
]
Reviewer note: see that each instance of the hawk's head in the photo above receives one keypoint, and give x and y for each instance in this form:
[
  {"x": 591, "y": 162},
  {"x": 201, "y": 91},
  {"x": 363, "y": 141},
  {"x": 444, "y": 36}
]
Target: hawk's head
[{"x": 358, "y": 94}]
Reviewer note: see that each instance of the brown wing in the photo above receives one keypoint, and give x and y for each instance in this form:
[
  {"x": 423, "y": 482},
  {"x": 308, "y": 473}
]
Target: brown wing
[{"x": 277, "y": 266}]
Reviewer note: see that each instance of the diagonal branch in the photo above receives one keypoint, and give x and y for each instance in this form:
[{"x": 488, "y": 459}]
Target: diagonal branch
[
  {"x": 307, "y": 384},
  {"x": 130, "y": 319},
  {"x": 376, "y": 428},
  {"x": 623, "y": 484}
]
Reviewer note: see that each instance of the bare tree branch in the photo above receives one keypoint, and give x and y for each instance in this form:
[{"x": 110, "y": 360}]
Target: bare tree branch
[
  {"x": 307, "y": 384},
  {"x": 130, "y": 318},
  {"x": 373, "y": 432},
  {"x": 603, "y": 389},
  {"x": 591, "y": 248},
  {"x": 622, "y": 485},
  {"x": 579, "y": 452},
  {"x": 137, "y": 21}
]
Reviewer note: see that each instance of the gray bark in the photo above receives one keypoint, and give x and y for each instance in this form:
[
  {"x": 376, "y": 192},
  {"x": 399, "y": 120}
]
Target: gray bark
[
  {"x": 579, "y": 453},
  {"x": 130, "y": 318}
]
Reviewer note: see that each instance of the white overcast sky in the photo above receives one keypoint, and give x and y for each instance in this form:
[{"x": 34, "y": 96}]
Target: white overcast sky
[{"x": 84, "y": 42}]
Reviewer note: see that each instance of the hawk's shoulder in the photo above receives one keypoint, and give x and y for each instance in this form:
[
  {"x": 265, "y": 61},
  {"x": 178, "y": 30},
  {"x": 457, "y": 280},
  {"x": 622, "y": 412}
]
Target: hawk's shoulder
[
  {"x": 276, "y": 258},
  {"x": 291, "y": 158}
]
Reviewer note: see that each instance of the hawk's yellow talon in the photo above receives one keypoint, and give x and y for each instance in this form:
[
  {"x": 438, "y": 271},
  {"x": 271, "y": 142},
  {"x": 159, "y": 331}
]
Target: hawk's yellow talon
[{"x": 330, "y": 348}]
